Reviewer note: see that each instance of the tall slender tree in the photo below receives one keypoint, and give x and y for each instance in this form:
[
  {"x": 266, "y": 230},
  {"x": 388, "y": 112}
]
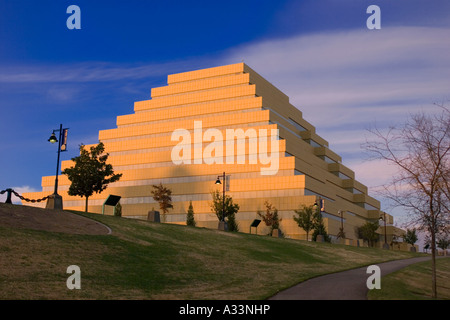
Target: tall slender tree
[
  {"x": 270, "y": 216},
  {"x": 163, "y": 196},
  {"x": 368, "y": 232},
  {"x": 190, "y": 221},
  {"x": 305, "y": 219},
  {"x": 420, "y": 150},
  {"x": 218, "y": 205},
  {"x": 411, "y": 237},
  {"x": 319, "y": 227}
]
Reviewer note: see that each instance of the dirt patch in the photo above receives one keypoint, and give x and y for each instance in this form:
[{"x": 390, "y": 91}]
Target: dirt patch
[{"x": 19, "y": 216}]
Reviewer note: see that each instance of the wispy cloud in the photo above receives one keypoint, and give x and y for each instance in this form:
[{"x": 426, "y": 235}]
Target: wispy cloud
[
  {"x": 62, "y": 93},
  {"x": 81, "y": 72},
  {"x": 343, "y": 71},
  {"x": 94, "y": 71},
  {"x": 345, "y": 81}
]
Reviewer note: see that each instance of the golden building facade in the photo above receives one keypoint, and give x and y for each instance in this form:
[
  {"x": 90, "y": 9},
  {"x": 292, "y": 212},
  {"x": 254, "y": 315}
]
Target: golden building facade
[{"x": 225, "y": 119}]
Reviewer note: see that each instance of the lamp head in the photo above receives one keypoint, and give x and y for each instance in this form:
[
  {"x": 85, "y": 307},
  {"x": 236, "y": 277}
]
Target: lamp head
[
  {"x": 218, "y": 181},
  {"x": 52, "y": 138}
]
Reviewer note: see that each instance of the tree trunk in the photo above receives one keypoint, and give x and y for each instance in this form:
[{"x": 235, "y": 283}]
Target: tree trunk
[
  {"x": 86, "y": 205},
  {"x": 433, "y": 250},
  {"x": 433, "y": 264}
]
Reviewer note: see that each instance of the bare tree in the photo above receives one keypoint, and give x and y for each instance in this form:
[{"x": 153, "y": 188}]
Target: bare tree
[{"x": 420, "y": 150}]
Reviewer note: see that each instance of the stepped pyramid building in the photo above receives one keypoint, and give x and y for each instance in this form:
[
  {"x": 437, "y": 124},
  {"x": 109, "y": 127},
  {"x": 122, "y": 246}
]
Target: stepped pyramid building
[{"x": 221, "y": 120}]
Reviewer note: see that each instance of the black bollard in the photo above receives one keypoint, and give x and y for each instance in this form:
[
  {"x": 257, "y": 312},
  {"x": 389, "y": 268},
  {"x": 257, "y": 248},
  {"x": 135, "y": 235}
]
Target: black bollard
[{"x": 8, "y": 197}]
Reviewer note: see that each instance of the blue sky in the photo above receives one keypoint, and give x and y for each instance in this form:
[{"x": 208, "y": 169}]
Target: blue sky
[{"x": 341, "y": 75}]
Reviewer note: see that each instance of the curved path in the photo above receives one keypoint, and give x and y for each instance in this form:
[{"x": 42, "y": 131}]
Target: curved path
[{"x": 346, "y": 285}]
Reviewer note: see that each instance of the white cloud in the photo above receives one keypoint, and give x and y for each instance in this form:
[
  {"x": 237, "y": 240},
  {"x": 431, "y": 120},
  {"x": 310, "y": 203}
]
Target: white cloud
[
  {"x": 347, "y": 81},
  {"x": 354, "y": 76}
]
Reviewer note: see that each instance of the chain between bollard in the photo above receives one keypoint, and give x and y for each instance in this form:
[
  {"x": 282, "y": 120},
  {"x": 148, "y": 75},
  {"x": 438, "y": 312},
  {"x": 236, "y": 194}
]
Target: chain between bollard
[{"x": 9, "y": 191}]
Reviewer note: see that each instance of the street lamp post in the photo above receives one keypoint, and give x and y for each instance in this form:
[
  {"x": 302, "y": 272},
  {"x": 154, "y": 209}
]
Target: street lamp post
[
  {"x": 222, "y": 223},
  {"x": 385, "y": 245},
  {"x": 55, "y": 200},
  {"x": 319, "y": 204},
  {"x": 319, "y": 208}
]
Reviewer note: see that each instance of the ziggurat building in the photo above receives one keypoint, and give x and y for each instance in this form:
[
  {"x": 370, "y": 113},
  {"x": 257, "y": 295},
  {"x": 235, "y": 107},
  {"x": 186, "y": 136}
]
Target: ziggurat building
[{"x": 220, "y": 99}]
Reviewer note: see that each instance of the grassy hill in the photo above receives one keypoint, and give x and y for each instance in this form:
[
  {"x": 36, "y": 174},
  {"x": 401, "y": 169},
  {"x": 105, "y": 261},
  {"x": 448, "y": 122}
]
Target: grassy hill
[{"x": 144, "y": 260}]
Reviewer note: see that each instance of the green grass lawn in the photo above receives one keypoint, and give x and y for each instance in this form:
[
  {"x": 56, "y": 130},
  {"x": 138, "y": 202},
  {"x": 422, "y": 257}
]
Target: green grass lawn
[
  {"x": 414, "y": 282},
  {"x": 144, "y": 260}
]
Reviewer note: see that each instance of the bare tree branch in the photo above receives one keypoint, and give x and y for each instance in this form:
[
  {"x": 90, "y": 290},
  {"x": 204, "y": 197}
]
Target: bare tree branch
[{"x": 420, "y": 150}]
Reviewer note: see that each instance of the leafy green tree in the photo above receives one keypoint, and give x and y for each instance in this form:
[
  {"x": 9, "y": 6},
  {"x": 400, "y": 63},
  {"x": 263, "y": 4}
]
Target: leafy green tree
[
  {"x": 90, "y": 173},
  {"x": 443, "y": 242},
  {"x": 368, "y": 232},
  {"x": 217, "y": 206},
  {"x": 319, "y": 227},
  {"x": 276, "y": 220},
  {"x": 270, "y": 217},
  {"x": 232, "y": 224},
  {"x": 190, "y": 221},
  {"x": 163, "y": 196},
  {"x": 410, "y": 236},
  {"x": 305, "y": 219}
]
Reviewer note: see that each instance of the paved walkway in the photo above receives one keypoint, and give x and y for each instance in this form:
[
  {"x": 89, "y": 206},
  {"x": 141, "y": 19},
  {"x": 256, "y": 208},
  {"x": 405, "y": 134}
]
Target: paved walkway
[{"x": 346, "y": 285}]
